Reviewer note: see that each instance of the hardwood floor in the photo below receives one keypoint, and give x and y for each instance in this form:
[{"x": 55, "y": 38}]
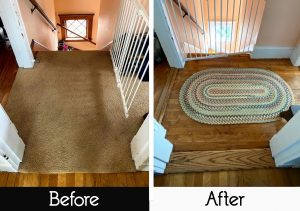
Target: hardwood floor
[
  {"x": 8, "y": 71},
  {"x": 74, "y": 180},
  {"x": 193, "y": 161},
  {"x": 165, "y": 80},
  {"x": 241, "y": 178},
  {"x": 192, "y": 140},
  {"x": 189, "y": 135},
  {"x": 161, "y": 73}
]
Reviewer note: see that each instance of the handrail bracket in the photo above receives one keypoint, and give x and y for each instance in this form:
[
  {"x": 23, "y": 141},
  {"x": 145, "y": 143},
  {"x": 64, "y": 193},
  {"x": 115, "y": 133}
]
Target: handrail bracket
[{"x": 33, "y": 9}]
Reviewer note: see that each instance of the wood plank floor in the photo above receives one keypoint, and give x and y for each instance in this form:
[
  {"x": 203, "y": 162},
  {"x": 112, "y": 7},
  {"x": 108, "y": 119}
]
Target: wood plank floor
[
  {"x": 161, "y": 73},
  {"x": 241, "y": 178},
  {"x": 74, "y": 180},
  {"x": 8, "y": 71},
  {"x": 195, "y": 161},
  {"x": 187, "y": 134},
  {"x": 168, "y": 75}
]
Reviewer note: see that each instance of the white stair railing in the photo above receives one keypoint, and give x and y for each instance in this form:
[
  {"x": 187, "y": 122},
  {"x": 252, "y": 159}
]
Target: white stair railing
[
  {"x": 130, "y": 50},
  {"x": 214, "y": 27}
]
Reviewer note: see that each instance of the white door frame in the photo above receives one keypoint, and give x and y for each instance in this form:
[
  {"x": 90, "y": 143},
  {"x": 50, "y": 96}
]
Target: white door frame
[
  {"x": 12, "y": 19},
  {"x": 166, "y": 35}
]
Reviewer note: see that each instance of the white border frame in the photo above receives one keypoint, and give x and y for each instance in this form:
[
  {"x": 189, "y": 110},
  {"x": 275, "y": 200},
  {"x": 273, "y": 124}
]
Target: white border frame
[{"x": 15, "y": 28}]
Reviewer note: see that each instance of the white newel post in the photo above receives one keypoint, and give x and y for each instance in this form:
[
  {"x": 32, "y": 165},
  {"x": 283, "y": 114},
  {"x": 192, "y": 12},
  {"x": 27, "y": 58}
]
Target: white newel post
[
  {"x": 162, "y": 148},
  {"x": 285, "y": 145},
  {"x": 140, "y": 147},
  {"x": 11, "y": 145},
  {"x": 166, "y": 35}
]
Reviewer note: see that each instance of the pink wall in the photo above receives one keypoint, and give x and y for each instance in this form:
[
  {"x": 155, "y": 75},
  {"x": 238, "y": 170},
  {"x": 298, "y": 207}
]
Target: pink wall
[
  {"x": 77, "y": 7},
  {"x": 109, "y": 11},
  {"x": 35, "y": 25},
  {"x": 281, "y": 24},
  {"x": 107, "y": 22}
]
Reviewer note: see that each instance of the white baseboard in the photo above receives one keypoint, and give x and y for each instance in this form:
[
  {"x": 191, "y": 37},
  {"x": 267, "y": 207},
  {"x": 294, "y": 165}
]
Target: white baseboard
[
  {"x": 269, "y": 52},
  {"x": 295, "y": 58}
]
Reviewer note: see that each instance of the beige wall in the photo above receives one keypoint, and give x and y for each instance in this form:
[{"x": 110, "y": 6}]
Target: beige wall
[
  {"x": 298, "y": 42},
  {"x": 35, "y": 25},
  {"x": 107, "y": 22},
  {"x": 280, "y": 24},
  {"x": 80, "y": 7}
]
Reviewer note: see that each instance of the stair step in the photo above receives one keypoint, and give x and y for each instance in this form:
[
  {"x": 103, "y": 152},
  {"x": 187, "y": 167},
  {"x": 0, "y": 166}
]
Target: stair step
[{"x": 199, "y": 161}]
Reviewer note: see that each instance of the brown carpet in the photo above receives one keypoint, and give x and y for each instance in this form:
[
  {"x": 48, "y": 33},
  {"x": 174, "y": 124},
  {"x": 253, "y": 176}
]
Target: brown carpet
[{"x": 69, "y": 112}]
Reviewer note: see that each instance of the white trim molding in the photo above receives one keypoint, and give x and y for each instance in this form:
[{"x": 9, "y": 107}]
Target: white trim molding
[
  {"x": 166, "y": 35},
  {"x": 270, "y": 52},
  {"x": 140, "y": 147},
  {"x": 15, "y": 28},
  {"x": 11, "y": 145},
  {"x": 162, "y": 148},
  {"x": 295, "y": 58},
  {"x": 285, "y": 145}
]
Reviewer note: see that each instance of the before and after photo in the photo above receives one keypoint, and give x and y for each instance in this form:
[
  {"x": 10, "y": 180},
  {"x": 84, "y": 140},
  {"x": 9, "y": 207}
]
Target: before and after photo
[{"x": 141, "y": 94}]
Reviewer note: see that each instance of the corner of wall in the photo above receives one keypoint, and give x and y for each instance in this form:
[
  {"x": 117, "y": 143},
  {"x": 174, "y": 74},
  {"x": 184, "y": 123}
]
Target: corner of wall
[
  {"x": 295, "y": 57},
  {"x": 271, "y": 52}
]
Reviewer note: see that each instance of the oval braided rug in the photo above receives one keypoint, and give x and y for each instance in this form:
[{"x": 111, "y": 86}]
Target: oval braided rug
[{"x": 235, "y": 95}]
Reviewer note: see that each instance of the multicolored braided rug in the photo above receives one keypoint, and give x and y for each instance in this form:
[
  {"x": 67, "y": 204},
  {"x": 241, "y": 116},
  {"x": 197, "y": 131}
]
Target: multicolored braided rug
[{"x": 235, "y": 96}]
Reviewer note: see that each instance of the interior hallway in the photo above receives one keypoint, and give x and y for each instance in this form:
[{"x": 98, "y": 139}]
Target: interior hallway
[{"x": 190, "y": 136}]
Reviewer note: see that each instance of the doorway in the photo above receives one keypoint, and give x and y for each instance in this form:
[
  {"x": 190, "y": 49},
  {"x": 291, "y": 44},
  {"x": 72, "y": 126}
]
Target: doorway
[{"x": 8, "y": 65}]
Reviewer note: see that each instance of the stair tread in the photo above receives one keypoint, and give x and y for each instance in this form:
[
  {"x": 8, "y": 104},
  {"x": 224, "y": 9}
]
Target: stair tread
[{"x": 197, "y": 161}]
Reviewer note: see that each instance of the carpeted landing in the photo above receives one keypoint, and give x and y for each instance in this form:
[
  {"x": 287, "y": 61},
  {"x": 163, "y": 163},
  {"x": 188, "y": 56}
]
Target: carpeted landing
[{"x": 69, "y": 113}]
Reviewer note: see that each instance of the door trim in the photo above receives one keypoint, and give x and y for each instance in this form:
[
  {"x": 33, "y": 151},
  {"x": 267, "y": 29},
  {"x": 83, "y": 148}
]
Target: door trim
[
  {"x": 167, "y": 36},
  {"x": 12, "y": 19}
]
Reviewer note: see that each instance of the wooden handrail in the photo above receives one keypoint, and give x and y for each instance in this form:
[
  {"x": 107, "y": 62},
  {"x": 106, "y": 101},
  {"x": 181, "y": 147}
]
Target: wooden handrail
[
  {"x": 37, "y": 7},
  {"x": 186, "y": 13},
  {"x": 86, "y": 39}
]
